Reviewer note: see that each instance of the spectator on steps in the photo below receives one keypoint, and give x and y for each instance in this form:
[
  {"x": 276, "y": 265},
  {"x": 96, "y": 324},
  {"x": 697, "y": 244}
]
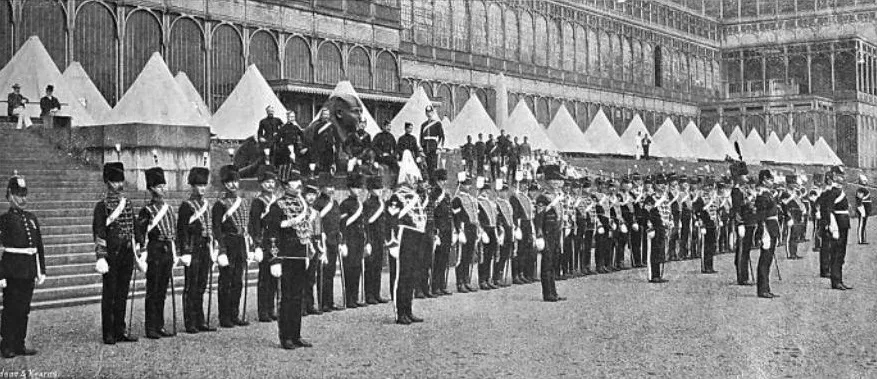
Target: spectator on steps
[
  {"x": 15, "y": 107},
  {"x": 49, "y": 104},
  {"x": 646, "y": 142}
]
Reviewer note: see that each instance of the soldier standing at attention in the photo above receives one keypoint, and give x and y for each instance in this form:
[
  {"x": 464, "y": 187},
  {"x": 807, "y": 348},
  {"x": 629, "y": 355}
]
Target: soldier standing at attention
[
  {"x": 432, "y": 137},
  {"x": 113, "y": 229},
  {"x": 767, "y": 233},
  {"x": 522, "y": 218},
  {"x": 374, "y": 210},
  {"x": 23, "y": 264},
  {"x": 480, "y": 155},
  {"x": 838, "y": 225},
  {"x": 323, "y": 149},
  {"x": 330, "y": 221},
  {"x": 407, "y": 142},
  {"x": 229, "y": 216},
  {"x": 444, "y": 225},
  {"x": 269, "y": 130},
  {"x": 384, "y": 145},
  {"x": 261, "y": 205},
  {"x": 863, "y": 207},
  {"x": 548, "y": 232},
  {"x": 467, "y": 152},
  {"x": 196, "y": 240},
  {"x": 355, "y": 245},
  {"x": 465, "y": 210}
]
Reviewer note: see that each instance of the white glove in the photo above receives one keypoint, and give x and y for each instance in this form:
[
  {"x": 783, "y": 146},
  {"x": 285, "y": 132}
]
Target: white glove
[
  {"x": 394, "y": 251},
  {"x": 765, "y": 239},
  {"x": 101, "y": 266},
  {"x": 41, "y": 279},
  {"x": 703, "y": 231},
  {"x": 438, "y": 241},
  {"x": 454, "y": 238},
  {"x": 462, "y": 238},
  {"x": 790, "y": 223},
  {"x": 351, "y": 164},
  {"x": 567, "y": 232},
  {"x": 540, "y": 244},
  {"x": 368, "y": 249},
  {"x": 485, "y": 239},
  {"x": 2, "y": 283},
  {"x": 276, "y": 270},
  {"x": 623, "y": 228},
  {"x": 214, "y": 253},
  {"x": 259, "y": 255},
  {"x": 222, "y": 260},
  {"x": 286, "y": 224},
  {"x": 519, "y": 235},
  {"x": 601, "y": 230},
  {"x": 342, "y": 249},
  {"x": 186, "y": 259},
  {"x": 324, "y": 259},
  {"x": 835, "y": 234},
  {"x": 741, "y": 230},
  {"x": 142, "y": 266},
  {"x": 635, "y": 227},
  {"x": 651, "y": 234},
  {"x": 251, "y": 256}
]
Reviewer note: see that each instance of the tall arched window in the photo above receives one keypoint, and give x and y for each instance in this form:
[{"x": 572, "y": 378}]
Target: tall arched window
[
  {"x": 543, "y": 113},
  {"x": 637, "y": 72},
  {"x": 581, "y": 50},
  {"x": 227, "y": 61},
  {"x": 495, "y": 31},
  {"x": 297, "y": 61},
  {"x": 593, "y": 53},
  {"x": 444, "y": 96},
  {"x": 461, "y": 96},
  {"x": 479, "y": 27},
  {"x": 423, "y": 18},
  {"x": 359, "y": 68},
  {"x": 526, "y": 37},
  {"x": 648, "y": 65},
  {"x": 265, "y": 54},
  {"x": 461, "y": 25},
  {"x": 617, "y": 52},
  {"x": 568, "y": 55},
  {"x": 47, "y": 20},
  {"x": 442, "y": 24},
  {"x": 95, "y": 47},
  {"x": 541, "y": 41},
  {"x": 387, "y": 73},
  {"x": 626, "y": 59},
  {"x": 605, "y": 55},
  {"x": 142, "y": 39},
  {"x": 511, "y": 35},
  {"x": 187, "y": 52},
  {"x": 328, "y": 64},
  {"x": 554, "y": 43}
]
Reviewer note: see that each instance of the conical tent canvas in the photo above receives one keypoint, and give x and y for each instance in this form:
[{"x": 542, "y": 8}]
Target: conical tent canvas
[
  {"x": 806, "y": 150},
  {"x": 371, "y": 126},
  {"x": 565, "y": 133},
  {"x": 155, "y": 98},
  {"x": 239, "y": 116},
  {"x": 630, "y": 139},
  {"x": 471, "y": 120},
  {"x": 192, "y": 95},
  {"x": 667, "y": 142},
  {"x": 789, "y": 152},
  {"x": 601, "y": 137},
  {"x": 76, "y": 80},
  {"x": 522, "y": 123},
  {"x": 414, "y": 111},
  {"x": 720, "y": 143},
  {"x": 753, "y": 147},
  {"x": 737, "y": 136},
  {"x": 825, "y": 154},
  {"x": 772, "y": 150},
  {"x": 698, "y": 145},
  {"x": 33, "y": 69}
]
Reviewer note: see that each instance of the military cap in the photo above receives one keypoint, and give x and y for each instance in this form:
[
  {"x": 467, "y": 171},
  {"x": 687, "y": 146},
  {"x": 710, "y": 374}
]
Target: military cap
[
  {"x": 199, "y": 176},
  {"x": 155, "y": 177},
  {"x": 229, "y": 173},
  {"x": 16, "y": 186},
  {"x": 114, "y": 172},
  {"x": 266, "y": 172},
  {"x": 764, "y": 175}
]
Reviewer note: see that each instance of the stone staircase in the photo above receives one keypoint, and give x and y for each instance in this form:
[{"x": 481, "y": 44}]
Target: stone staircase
[{"x": 62, "y": 193}]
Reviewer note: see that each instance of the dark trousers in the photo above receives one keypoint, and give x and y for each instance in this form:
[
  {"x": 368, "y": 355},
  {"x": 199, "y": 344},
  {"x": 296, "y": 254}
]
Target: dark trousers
[
  {"x": 159, "y": 261},
  {"x": 765, "y": 259},
  {"x": 114, "y": 298},
  {"x": 549, "y": 289},
  {"x": 292, "y": 283},
  {"x": 861, "y": 232},
  {"x": 603, "y": 250},
  {"x": 825, "y": 252},
  {"x": 505, "y": 252},
  {"x": 684, "y": 243},
  {"x": 510, "y": 176},
  {"x": 407, "y": 271},
  {"x": 645, "y": 151},
  {"x": 394, "y": 272},
  {"x": 479, "y": 167},
  {"x": 644, "y": 242},
  {"x": 494, "y": 170},
  {"x": 620, "y": 244},
  {"x": 311, "y": 280},
  {"x": 709, "y": 249},
  {"x": 636, "y": 245},
  {"x": 266, "y": 290},
  {"x": 818, "y": 233},
  {"x": 231, "y": 279},
  {"x": 796, "y": 233},
  {"x": 440, "y": 266},
  {"x": 838, "y": 255},
  {"x": 431, "y": 161},
  {"x": 656, "y": 257},
  {"x": 744, "y": 245},
  {"x": 526, "y": 255},
  {"x": 352, "y": 272},
  {"x": 586, "y": 243},
  {"x": 467, "y": 255},
  {"x": 328, "y": 277},
  {"x": 673, "y": 239},
  {"x": 373, "y": 265},
  {"x": 16, "y": 307},
  {"x": 489, "y": 254},
  {"x": 569, "y": 255},
  {"x": 425, "y": 268},
  {"x": 196, "y": 283}
]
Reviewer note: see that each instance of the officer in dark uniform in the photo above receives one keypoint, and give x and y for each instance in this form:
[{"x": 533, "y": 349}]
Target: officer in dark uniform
[
  {"x": 863, "y": 206},
  {"x": 768, "y": 231},
  {"x": 548, "y": 232},
  {"x": 113, "y": 229},
  {"x": 374, "y": 213},
  {"x": 291, "y": 147},
  {"x": 406, "y": 224},
  {"x": 743, "y": 214},
  {"x": 480, "y": 155},
  {"x": 407, "y": 142},
  {"x": 156, "y": 233},
  {"x": 823, "y": 214},
  {"x": 23, "y": 264},
  {"x": 793, "y": 209},
  {"x": 384, "y": 145},
  {"x": 467, "y": 152},
  {"x": 432, "y": 137},
  {"x": 465, "y": 210},
  {"x": 423, "y": 288},
  {"x": 259, "y": 208},
  {"x": 656, "y": 231},
  {"x": 194, "y": 231},
  {"x": 487, "y": 219},
  {"x": 706, "y": 213},
  {"x": 522, "y": 217},
  {"x": 283, "y": 225},
  {"x": 505, "y": 231},
  {"x": 229, "y": 217},
  {"x": 323, "y": 150},
  {"x": 444, "y": 230},
  {"x": 269, "y": 129},
  {"x": 355, "y": 246},
  {"x": 330, "y": 220},
  {"x": 358, "y": 143},
  {"x": 838, "y": 226}
]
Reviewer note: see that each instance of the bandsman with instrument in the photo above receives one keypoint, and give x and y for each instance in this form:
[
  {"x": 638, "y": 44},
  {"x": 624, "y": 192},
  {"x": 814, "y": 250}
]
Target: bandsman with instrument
[{"x": 522, "y": 215}]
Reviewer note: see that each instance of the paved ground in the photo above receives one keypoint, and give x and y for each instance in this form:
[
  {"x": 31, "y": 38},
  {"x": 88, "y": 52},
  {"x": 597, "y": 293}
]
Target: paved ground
[{"x": 613, "y": 325}]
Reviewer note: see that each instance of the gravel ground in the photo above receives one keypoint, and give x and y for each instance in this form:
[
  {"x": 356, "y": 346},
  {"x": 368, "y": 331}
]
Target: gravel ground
[{"x": 613, "y": 325}]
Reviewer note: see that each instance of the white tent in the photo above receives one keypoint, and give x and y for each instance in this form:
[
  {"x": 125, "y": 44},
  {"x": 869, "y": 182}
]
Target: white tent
[
  {"x": 76, "y": 80},
  {"x": 522, "y": 123},
  {"x": 695, "y": 141},
  {"x": 806, "y": 150},
  {"x": 789, "y": 152},
  {"x": 33, "y": 69},
  {"x": 753, "y": 147},
  {"x": 601, "y": 137},
  {"x": 737, "y": 136},
  {"x": 825, "y": 154},
  {"x": 471, "y": 120},
  {"x": 371, "y": 126},
  {"x": 720, "y": 143},
  {"x": 155, "y": 98},
  {"x": 414, "y": 111},
  {"x": 238, "y": 117},
  {"x": 669, "y": 143},
  {"x": 192, "y": 95},
  {"x": 772, "y": 150},
  {"x": 629, "y": 140},
  {"x": 565, "y": 133}
]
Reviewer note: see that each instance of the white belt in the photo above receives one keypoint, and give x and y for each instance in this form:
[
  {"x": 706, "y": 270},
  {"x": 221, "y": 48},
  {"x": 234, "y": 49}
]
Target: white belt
[
  {"x": 432, "y": 138},
  {"x": 21, "y": 250},
  {"x": 775, "y": 218},
  {"x": 841, "y": 212}
]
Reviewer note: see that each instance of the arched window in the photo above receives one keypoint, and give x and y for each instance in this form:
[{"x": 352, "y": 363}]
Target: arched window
[
  {"x": 329, "y": 64},
  {"x": 387, "y": 73},
  {"x": 512, "y": 102},
  {"x": 581, "y": 49},
  {"x": 427, "y": 89},
  {"x": 648, "y": 65},
  {"x": 442, "y": 24},
  {"x": 444, "y": 96},
  {"x": 495, "y": 31},
  {"x": 461, "y": 96},
  {"x": 47, "y": 20},
  {"x": 543, "y": 113},
  {"x": 541, "y": 41},
  {"x": 511, "y": 35},
  {"x": 593, "y": 54},
  {"x": 637, "y": 72},
  {"x": 568, "y": 55},
  {"x": 526, "y": 37},
  {"x": 297, "y": 61},
  {"x": 554, "y": 43},
  {"x": 142, "y": 39},
  {"x": 461, "y": 25},
  {"x": 359, "y": 68},
  {"x": 605, "y": 55},
  {"x": 626, "y": 60},
  {"x": 616, "y": 53},
  {"x": 265, "y": 54},
  {"x": 479, "y": 27},
  {"x": 187, "y": 52},
  {"x": 423, "y": 22},
  {"x": 95, "y": 47},
  {"x": 227, "y": 61}
]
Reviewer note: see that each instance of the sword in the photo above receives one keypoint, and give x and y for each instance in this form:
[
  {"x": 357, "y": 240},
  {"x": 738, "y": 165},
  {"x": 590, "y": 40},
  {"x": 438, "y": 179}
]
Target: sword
[
  {"x": 344, "y": 282},
  {"x": 133, "y": 285},
  {"x": 173, "y": 288},
  {"x": 246, "y": 275}
]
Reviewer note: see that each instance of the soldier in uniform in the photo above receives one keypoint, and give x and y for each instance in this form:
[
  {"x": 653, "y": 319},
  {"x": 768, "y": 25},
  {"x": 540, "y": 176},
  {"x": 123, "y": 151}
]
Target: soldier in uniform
[
  {"x": 505, "y": 233},
  {"x": 706, "y": 212},
  {"x": 768, "y": 231},
  {"x": 269, "y": 129},
  {"x": 823, "y": 215},
  {"x": 22, "y": 264},
  {"x": 480, "y": 155},
  {"x": 229, "y": 217},
  {"x": 290, "y": 147},
  {"x": 863, "y": 207},
  {"x": 603, "y": 234},
  {"x": 196, "y": 243},
  {"x": 586, "y": 222},
  {"x": 548, "y": 232},
  {"x": 330, "y": 221},
  {"x": 407, "y": 142},
  {"x": 358, "y": 143},
  {"x": 406, "y": 224},
  {"x": 659, "y": 217},
  {"x": 423, "y": 288},
  {"x": 259, "y": 209},
  {"x": 384, "y": 146},
  {"x": 444, "y": 231},
  {"x": 632, "y": 217},
  {"x": 793, "y": 209},
  {"x": 487, "y": 219},
  {"x": 157, "y": 223},
  {"x": 522, "y": 217},
  {"x": 838, "y": 213},
  {"x": 355, "y": 246},
  {"x": 467, "y": 152},
  {"x": 113, "y": 229},
  {"x": 432, "y": 136},
  {"x": 465, "y": 210},
  {"x": 685, "y": 213},
  {"x": 323, "y": 150},
  {"x": 374, "y": 210},
  {"x": 744, "y": 218},
  {"x": 288, "y": 235}
]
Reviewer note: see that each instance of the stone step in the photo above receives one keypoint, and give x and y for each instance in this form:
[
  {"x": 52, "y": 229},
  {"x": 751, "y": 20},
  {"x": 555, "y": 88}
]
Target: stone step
[
  {"x": 69, "y": 258},
  {"x": 70, "y": 269},
  {"x": 69, "y": 248},
  {"x": 47, "y": 221},
  {"x": 45, "y": 214},
  {"x": 66, "y": 230},
  {"x": 68, "y": 239},
  {"x": 54, "y": 204}
]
